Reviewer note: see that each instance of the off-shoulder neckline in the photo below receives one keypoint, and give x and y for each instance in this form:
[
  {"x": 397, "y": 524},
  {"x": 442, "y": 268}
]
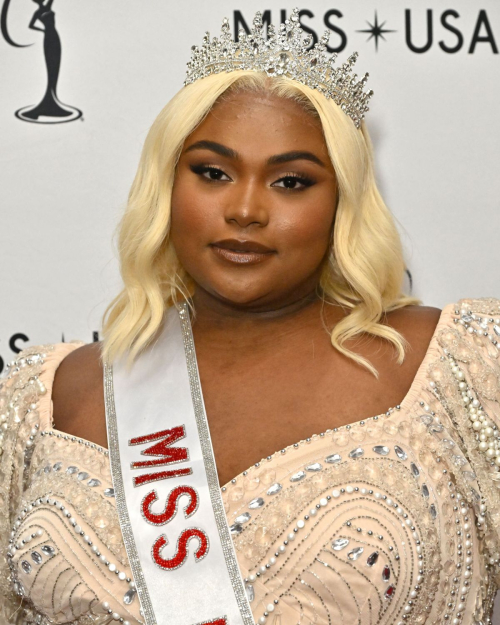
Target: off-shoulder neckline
[{"x": 406, "y": 402}]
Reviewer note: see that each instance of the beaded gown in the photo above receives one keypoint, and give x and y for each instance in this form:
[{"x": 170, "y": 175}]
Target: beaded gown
[{"x": 391, "y": 520}]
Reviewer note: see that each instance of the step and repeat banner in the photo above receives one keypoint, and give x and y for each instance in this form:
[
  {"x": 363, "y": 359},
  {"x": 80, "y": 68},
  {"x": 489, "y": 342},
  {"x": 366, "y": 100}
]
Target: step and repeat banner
[
  {"x": 82, "y": 81},
  {"x": 66, "y": 162}
]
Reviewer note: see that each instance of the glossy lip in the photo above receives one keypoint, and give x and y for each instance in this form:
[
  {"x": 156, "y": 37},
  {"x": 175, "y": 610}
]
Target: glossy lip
[
  {"x": 242, "y": 251},
  {"x": 242, "y": 245}
]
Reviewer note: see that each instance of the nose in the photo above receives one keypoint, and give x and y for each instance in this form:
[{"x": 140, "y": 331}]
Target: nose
[{"x": 247, "y": 206}]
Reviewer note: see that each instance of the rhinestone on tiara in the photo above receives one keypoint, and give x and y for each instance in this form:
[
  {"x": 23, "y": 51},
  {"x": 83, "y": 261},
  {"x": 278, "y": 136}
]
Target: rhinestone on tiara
[{"x": 284, "y": 53}]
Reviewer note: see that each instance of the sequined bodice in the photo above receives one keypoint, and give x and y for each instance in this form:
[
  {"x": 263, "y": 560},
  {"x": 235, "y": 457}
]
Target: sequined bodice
[{"x": 390, "y": 520}]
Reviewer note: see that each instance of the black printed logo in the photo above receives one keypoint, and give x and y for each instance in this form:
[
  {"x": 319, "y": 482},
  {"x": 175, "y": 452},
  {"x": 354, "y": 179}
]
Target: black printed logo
[{"x": 50, "y": 110}]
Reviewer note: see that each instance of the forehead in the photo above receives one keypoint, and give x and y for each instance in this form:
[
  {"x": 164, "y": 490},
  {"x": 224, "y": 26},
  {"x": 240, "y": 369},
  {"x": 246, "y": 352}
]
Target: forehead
[{"x": 250, "y": 121}]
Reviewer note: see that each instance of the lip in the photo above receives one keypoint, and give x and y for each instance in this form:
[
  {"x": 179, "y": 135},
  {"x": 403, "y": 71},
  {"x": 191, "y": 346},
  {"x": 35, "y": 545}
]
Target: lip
[
  {"x": 243, "y": 245},
  {"x": 242, "y": 251}
]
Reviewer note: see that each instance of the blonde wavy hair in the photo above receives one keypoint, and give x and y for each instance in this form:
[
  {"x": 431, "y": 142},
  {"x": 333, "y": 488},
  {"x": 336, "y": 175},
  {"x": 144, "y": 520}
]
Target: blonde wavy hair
[{"x": 364, "y": 269}]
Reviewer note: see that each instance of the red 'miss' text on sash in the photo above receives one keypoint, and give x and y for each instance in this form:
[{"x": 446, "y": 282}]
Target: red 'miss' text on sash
[{"x": 166, "y": 455}]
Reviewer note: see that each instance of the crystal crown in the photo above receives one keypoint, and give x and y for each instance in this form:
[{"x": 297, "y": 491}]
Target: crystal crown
[{"x": 284, "y": 53}]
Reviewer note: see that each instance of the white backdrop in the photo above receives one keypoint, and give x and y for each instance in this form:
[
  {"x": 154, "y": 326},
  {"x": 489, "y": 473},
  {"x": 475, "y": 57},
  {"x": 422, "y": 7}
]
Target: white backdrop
[{"x": 434, "y": 121}]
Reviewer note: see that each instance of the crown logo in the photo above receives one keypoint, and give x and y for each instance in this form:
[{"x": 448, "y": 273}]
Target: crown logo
[{"x": 284, "y": 53}]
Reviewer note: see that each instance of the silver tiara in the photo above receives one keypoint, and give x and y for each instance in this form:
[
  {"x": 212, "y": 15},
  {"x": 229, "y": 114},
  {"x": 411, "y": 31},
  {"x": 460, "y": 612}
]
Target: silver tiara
[{"x": 284, "y": 53}]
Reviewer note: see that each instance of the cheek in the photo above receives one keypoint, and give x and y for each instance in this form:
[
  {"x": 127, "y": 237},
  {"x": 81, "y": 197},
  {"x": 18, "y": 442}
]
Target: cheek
[
  {"x": 189, "y": 218},
  {"x": 307, "y": 228}
]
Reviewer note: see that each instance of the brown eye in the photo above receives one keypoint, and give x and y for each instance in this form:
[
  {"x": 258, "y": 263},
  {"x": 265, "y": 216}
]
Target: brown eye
[
  {"x": 294, "y": 183},
  {"x": 290, "y": 183},
  {"x": 209, "y": 173}
]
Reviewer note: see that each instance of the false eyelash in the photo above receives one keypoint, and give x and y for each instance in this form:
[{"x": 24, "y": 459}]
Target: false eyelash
[
  {"x": 300, "y": 177},
  {"x": 202, "y": 169}
]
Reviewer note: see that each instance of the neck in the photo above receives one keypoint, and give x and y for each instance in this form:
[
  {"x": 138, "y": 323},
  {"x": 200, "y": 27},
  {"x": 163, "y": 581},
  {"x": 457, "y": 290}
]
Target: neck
[
  {"x": 206, "y": 305},
  {"x": 219, "y": 321}
]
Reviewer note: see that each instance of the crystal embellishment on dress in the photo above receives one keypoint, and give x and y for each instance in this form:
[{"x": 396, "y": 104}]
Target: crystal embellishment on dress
[
  {"x": 19, "y": 589},
  {"x": 258, "y": 502},
  {"x": 129, "y": 596},
  {"x": 355, "y": 553},
  {"x": 381, "y": 450},
  {"x": 372, "y": 558},
  {"x": 315, "y": 466},
  {"x": 47, "y": 550},
  {"x": 57, "y": 466},
  {"x": 426, "y": 419},
  {"x": 296, "y": 477},
  {"x": 26, "y": 566},
  {"x": 425, "y": 491},
  {"x": 459, "y": 460},
  {"x": 400, "y": 453},
  {"x": 93, "y": 482},
  {"x": 243, "y": 518},
  {"x": 274, "y": 488},
  {"x": 360, "y": 498},
  {"x": 83, "y": 475},
  {"x": 433, "y": 511},
  {"x": 340, "y": 543},
  {"x": 436, "y": 428},
  {"x": 389, "y": 592},
  {"x": 250, "y": 592},
  {"x": 284, "y": 53},
  {"x": 469, "y": 475},
  {"x": 235, "y": 529},
  {"x": 109, "y": 492},
  {"x": 71, "y": 470},
  {"x": 356, "y": 453},
  {"x": 333, "y": 459},
  {"x": 36, "y": 557}
]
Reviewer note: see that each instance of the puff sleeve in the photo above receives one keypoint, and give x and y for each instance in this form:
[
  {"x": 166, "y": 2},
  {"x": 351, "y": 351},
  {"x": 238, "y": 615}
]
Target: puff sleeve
[
  {"x": 472, "y": 395},
  {"x": 25, "y": 409}
]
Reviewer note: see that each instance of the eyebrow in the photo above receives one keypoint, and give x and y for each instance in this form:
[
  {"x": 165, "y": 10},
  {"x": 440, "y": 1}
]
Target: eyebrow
[
  {"x": 296, "y": 155},
  {"x": 218, "y": 148},
  {"x": 286, "y": 157}
]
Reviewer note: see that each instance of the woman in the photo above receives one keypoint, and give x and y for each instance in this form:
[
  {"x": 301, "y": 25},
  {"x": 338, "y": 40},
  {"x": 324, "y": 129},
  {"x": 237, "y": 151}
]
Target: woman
[{"x": 255, "y": 233}]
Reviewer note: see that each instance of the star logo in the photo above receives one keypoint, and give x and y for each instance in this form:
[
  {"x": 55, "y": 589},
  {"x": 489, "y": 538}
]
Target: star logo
[{"x": 376, "y": 30}]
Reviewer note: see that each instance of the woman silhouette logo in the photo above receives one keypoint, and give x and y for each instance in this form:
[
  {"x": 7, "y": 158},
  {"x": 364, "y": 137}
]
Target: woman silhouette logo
[{"x": 50, "y": 110}]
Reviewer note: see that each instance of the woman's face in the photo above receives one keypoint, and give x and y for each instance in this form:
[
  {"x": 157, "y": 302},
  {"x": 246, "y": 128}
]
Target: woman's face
[{"x": 253, "y": 202}]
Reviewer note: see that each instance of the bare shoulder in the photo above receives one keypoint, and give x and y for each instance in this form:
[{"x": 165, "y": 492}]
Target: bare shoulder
[
  {"x": 77, "y": 394},
  {"x": 417, "y": 324},
  {"x": 416, "y": 317}
]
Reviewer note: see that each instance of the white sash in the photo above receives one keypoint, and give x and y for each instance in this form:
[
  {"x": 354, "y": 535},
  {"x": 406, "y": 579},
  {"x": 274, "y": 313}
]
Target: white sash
[{"x": 166, "y": 487}]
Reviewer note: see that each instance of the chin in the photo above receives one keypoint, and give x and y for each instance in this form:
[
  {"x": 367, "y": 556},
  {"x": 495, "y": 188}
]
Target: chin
[{"x": 241, "y": 297}]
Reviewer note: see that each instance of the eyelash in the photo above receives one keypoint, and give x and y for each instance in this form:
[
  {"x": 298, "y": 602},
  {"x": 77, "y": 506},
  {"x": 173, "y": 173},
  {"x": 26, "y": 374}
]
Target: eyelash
[{"x": 299, "y": 177}]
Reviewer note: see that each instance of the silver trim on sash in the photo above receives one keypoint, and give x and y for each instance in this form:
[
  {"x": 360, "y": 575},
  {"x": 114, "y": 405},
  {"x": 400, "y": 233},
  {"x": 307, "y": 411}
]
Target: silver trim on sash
[
  {"x": 211, "y": 470},
  {"x": 217, "y": 505},
  {"x": 121, "y": 504}
]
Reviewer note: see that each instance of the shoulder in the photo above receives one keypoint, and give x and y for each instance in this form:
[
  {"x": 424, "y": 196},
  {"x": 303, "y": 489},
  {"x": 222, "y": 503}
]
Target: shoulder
[
  {"x": 28, "y": 380},
  {"x": 475, "y": 327},
  {"x": 474, "y": 322},
  {"x": 415, "y": 318},
  {"x": 25, "y": 408},
  {"x": 81, "y": 365},
  {"x": 78, "y": 386},
  {"x": 417, "y": 324},
  {"x": 33, "y": 368}
]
